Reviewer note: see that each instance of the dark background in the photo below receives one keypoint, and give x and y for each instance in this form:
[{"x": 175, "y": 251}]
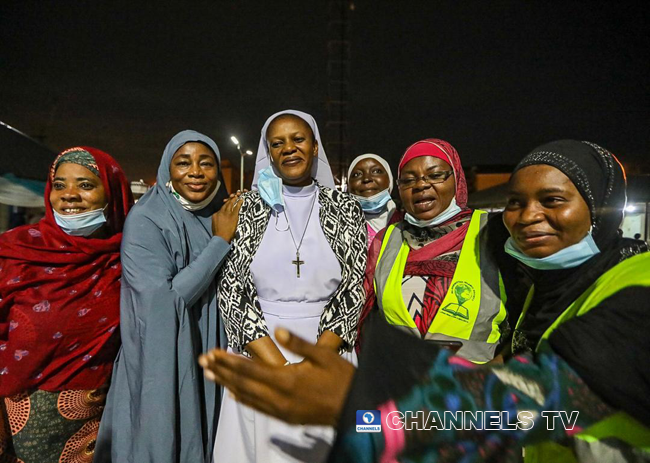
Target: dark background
[{"x": 493, "y": 78}]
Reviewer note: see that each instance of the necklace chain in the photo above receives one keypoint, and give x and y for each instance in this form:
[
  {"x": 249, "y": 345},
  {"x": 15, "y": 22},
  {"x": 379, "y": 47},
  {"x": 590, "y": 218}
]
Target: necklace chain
[{"x": 297, "y": 246}]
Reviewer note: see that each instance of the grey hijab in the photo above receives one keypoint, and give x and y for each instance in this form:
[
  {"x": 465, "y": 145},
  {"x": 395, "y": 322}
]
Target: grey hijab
[
  {"x": 160, "y": 407},
  {"x": 163, "y": 178}
]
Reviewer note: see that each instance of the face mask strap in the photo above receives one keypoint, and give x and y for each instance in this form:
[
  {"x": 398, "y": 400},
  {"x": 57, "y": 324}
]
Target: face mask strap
[{"x": 277, "y": 215}]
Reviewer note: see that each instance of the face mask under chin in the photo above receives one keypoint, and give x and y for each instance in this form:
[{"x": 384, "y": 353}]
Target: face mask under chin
[
  {"x": 375, "y": 203},
  {"x": 452, "y": 210},
  {"x": 84, "y": 224},
  {"x": 192, "y": 206},
  {"x": 569, "y": 257}
]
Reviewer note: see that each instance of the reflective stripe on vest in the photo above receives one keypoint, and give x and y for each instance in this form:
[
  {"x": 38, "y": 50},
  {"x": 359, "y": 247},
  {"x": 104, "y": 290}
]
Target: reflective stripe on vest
[
  {"x": 473, "y": 307},
  {"x": 618, "y": 437}
]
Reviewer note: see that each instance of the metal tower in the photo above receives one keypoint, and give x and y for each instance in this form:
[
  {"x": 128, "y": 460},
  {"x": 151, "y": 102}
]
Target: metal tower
[{"x": 338, "y": 73}]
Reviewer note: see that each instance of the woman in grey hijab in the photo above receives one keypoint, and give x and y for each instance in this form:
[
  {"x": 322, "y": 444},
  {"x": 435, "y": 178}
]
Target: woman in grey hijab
[{"x": 159, "y": 407}]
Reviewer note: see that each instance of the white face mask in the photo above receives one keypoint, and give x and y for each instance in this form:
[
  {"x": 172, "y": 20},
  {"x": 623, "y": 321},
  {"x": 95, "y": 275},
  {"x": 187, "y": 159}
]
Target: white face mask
[
  {"x": 84, "y": 224},
  {"x": 189, "y": 205},
  {"x": 445, "y": 215}
]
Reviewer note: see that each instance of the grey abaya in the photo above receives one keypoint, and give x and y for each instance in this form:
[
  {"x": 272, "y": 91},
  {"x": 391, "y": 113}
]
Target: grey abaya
[{"x": 160, "y": 408}]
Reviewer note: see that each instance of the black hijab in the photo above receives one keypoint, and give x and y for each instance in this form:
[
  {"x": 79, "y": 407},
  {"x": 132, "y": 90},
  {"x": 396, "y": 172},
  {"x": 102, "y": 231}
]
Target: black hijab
[{"x": 611, "y": 341}]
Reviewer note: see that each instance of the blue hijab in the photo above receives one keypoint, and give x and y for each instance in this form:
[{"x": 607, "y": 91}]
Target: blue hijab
[{"x": 160, "y": 407}]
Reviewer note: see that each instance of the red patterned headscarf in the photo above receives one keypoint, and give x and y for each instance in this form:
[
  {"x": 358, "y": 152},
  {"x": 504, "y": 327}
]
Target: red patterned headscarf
[
  {"x": 60, "y": 295},
  {"x": 440, "y": 149}
]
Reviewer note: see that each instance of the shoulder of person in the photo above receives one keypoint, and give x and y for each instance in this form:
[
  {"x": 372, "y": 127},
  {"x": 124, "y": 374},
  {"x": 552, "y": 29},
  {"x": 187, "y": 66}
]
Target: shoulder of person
[
  {"x": 149, "y": 210},
  {"x": 251, "y": 196},
  {"x": 251, "y": 200},
  {"x": 150, "y": 213},
  {"x": 142, "y": 220},
  {"x": 340, "y": 198}
]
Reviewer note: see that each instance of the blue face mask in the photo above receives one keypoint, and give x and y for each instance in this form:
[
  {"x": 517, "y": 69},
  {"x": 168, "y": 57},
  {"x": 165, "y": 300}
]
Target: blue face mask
[
  {"x": 445, "y": 215},
  {"x": 270, "y": 188},
  {"x": 568, "y": 257},
  {"x": 375, "y": 203},
  {"x": 84, "y": 224}
]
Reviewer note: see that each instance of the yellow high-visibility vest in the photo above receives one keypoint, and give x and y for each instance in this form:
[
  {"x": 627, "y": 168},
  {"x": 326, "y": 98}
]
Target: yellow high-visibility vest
[
  {"x": 618, "y": 438},
  {"x": 473, "y": 308}
]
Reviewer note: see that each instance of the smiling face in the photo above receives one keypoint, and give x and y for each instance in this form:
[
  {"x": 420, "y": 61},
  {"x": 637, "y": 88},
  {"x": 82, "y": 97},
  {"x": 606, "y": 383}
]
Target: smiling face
[
  {"x": 293, "y": 149},
  {"x": 368, "y": 178},
  {"x": 76, "y": 189},
  {"x": 194, "y": 171},
  {"x": 545, "y": 211},
  {"x": 425, "y": 201}
]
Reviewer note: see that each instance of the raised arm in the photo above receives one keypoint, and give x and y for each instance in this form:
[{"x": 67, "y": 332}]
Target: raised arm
[{"x": 148, "y": 260}]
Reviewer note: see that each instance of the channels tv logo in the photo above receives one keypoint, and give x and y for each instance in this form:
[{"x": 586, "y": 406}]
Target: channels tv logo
[{"x": 368, "y": 421}]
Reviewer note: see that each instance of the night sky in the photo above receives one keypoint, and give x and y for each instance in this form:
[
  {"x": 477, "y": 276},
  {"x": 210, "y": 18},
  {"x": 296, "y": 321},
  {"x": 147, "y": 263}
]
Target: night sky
[{"x": 494, "y": 78}]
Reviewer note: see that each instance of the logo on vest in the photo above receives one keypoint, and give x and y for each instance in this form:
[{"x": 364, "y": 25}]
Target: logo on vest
[{"x": 464, "y": 292}]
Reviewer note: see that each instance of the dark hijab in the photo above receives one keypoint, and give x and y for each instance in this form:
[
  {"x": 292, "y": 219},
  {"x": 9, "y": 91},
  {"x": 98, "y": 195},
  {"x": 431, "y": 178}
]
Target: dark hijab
[{"x": 602, "y": 345}]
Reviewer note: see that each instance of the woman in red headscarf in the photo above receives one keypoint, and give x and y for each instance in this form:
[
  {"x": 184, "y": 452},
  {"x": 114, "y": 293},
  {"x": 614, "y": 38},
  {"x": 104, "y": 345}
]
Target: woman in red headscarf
[
  {"x": 430, "y": 274},
  {"x": 59, "y": 311}
]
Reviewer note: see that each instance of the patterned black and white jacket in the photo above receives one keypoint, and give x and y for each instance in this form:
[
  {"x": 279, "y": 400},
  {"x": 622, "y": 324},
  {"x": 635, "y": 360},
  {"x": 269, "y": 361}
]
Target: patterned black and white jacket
[{"x": 344, "y": 226}]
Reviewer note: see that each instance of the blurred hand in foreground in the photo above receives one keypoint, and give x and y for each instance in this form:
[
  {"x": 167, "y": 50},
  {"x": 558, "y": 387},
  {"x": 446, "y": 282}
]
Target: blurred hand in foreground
[{"x": 312, "y": 393}]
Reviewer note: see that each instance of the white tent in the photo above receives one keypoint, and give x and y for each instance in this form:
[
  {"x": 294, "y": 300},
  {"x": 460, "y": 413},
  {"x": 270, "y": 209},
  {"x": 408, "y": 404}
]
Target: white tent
[
  {"x": 13, "y": 192},
  {"x": 23, "y": 156},
  {"x": 24, "y": 166}
]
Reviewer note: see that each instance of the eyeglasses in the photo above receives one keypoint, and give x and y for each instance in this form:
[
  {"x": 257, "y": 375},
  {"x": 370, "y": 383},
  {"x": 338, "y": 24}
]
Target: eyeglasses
[{"x": 432, "y": 178}]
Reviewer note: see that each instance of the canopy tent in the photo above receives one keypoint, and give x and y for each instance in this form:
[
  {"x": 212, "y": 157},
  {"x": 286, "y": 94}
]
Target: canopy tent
[
  {"x": 24, "y": 166},
  {"x": 20, "y": 192}
]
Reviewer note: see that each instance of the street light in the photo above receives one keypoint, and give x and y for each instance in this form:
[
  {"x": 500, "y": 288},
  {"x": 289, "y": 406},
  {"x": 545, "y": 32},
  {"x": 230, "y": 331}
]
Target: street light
[{"x": 241, "y": 162}]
